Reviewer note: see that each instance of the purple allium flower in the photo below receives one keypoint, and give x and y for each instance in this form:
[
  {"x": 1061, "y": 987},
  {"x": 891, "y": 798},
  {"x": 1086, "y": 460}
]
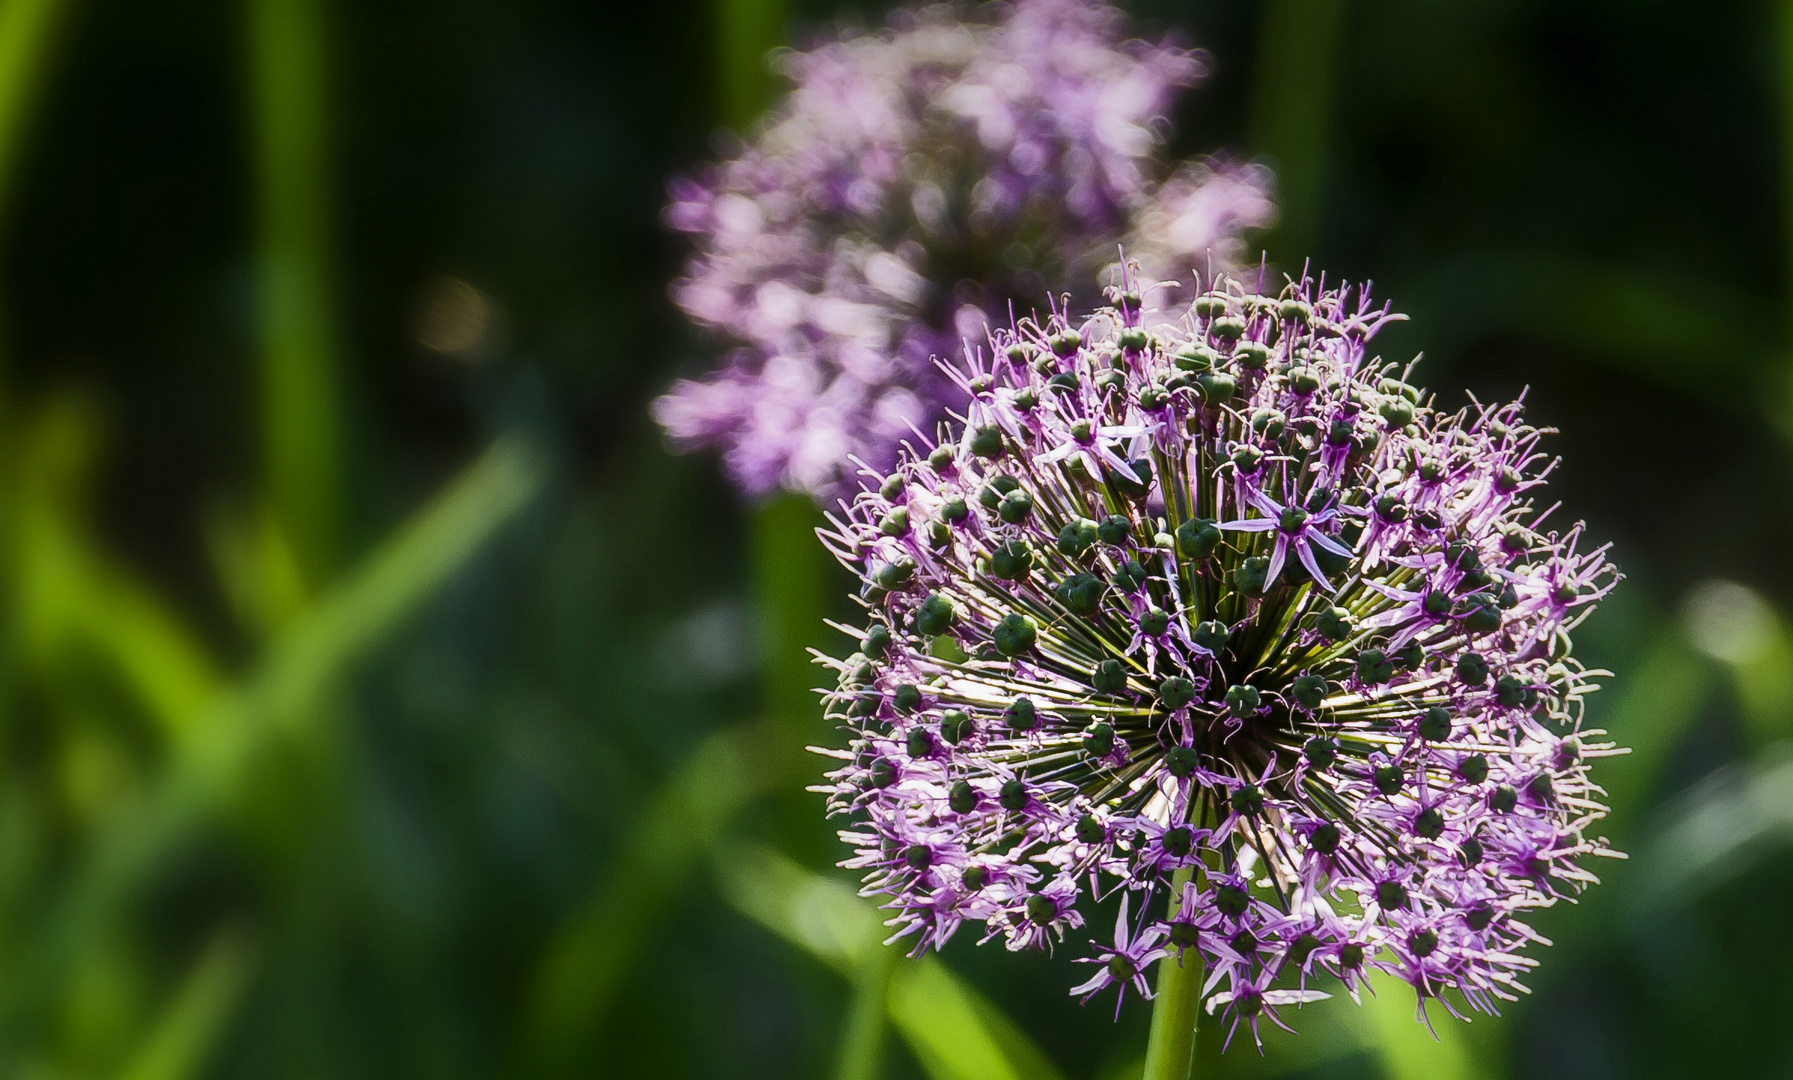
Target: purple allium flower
[
  {"x": 917, "y": 185},
  {"x": 1225, "y": 608}
]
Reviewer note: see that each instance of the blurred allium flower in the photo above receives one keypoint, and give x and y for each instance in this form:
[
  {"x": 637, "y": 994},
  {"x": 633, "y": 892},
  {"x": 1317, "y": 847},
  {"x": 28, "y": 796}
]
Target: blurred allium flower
[
  {"x": 917, "y": 185},
  {"x": 1231, "y": 613}
]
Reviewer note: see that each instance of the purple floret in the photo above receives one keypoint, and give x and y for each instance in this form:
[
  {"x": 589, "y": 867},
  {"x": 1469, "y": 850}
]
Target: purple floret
[
  {"x": 1222, "y": 607},
  {"x": 919, "y": 185}
]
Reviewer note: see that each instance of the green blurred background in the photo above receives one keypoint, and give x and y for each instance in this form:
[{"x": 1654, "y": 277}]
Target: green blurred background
[{"x": 379, "y": 699}]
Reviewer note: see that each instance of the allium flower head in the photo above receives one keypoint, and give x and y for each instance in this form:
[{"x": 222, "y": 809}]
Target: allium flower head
[
  {"x": 1227, "y": 612},
  {"x": 918, "y": 185}
]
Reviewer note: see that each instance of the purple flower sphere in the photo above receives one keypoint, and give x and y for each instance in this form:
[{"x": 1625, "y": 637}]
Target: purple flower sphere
[
  {"x": 917, "y": 185},
  {"x": 1226, "y": 613}
]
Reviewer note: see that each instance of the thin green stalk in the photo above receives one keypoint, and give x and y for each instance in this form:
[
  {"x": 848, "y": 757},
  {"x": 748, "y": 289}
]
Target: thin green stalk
[
  {"x": 862, "y": 1033},
  {"x": 746, "y": 30},
  {"x": 1170, "y": 1050},
  {"x": 301, "y": 416},
  {"x": 1297, "y": 77}
]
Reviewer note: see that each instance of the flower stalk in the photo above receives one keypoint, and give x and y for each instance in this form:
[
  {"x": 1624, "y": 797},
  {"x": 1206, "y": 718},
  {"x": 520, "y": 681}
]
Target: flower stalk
[{"x": 1176, "y": 1011}]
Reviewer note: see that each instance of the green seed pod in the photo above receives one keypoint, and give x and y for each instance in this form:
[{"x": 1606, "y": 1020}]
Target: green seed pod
[
  {"x": 1014, "y": 635},
  {"x": 1076, "y": 538},
  {"x": 1065, "y": 342},
  {"x": 918, "y": 743},
  {"x": 895, "y": 523},
  {"x": 954, "y": 510},
  {"x": 962, "y": 798},
  {"x": 1541, "y": 788},
  {"x": 883, "y": 773},
  {"x": 1081, "y": 594},
  {"x": 1391, "y": 508},
  {"x": 1297, "y": 312},
  {"x": 1212, "y": 305},
  {"x": 1471, "y": 853},
  {"x": 1303, "y": 381},
  {"x": 876, "y": 643},
  {"x": 1090, "y": 831},
  {"x": 987, "y": 442},
  {"x": 1388, "y": 779},
  {"x": 1324, "y": 839},
  {"x": 1026, "y": 400},
  {"x": 1131, "y": 576},
  {"x": 1504, "y": 799},
  {"x": 1269, "y": 423},
  {"x": 1231, "y": 901},
  {"x": 1309, "y": 690},
  {"x": 1335, "y": 623},
  {"x": 1098, "y": 740},
  {"x": 1178, "y": 841},
  {"x": 1021, "y": 715},
  {"x": 1109, "y": 677},
  {"x": 935, "y": 615},
  {"x": 1227, "y": 328},
  {"x": 1320, "y": 751},
  {"x": 1374, "y": 667},
  {"x": 940, "y": 458},
  {"x": 1012, "y": 796},
  {"x": 1243, "y": 700},
  {"x": 1041, "y": 909},
  {"x": 1435, "y": 724},
  {"x": 1410, "y": 657},
  {"x": 1396, "y": 414},
  {"x": 918, "y": 857},
  {"x": 1115, "y": 529},
  {"x": 1015, "y": 508},
  {"x": 1175, "y": 692},
  {"x": 1391, "y": 896},
  {"x": 1252, "y": 577},
  {"x": 1211, "y": 635},
  {"x": 894, "y": 575},
  {"x": 955, "y": 726},
  {"x": 1423, "y": 942},
  {"x": 1252, "y": 355},
  {"x": 1479, "y": 916},
  {"x": 1180, "y": 762},
  {"x": 1509, "y": 690},
  {"x": 1011, "y": 560},
  {"x": 1473, "y": 768},
  {"x": 1247, "y": 799},
  {"x": 907, "y": 698},
  {"x": 1197, "y": 538},
  {"x": 1472, "y": 669},
  {"x": 1134, "y": 338},
  {"x": 1429, "y": 824},
  {"x": 1152, "y": 397},
  {"x": 1154, "y": 622},
  {"x": 1216, "y": 388}
]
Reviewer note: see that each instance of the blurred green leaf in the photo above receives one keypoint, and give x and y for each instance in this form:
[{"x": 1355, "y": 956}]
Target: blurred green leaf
[
  {"x": 1297, "y": 75},
  {"x": 27, "y": 29},
  {"x": 182, "y": 1040},
  {"x": 212, "y": 763},
  {"x": 953, "y": 1030}
]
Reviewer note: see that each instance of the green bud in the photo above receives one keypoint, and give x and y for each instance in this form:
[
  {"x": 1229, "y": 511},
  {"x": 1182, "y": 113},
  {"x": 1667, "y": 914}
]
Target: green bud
[
  {"x": 1175, "y": 692},
  {"x": 940, "y": 457},
  {"x": 1295, "y": 311},
  {"x": 1090, "y": 831},
  {"x": 1014, "y": 635},
  {"x": 1509, "y": 690},
  {"x": 907, "y": 698},
  {"x": 1252, "y": 577},
  {"x": 1320, "y": 751},
  {"x": 1180, "y": 761},
  {"x": 1541, "y": 788},
  {"x": 1041, "y": 909},
  {"x": 1472, "y": 669},
  {"x": 1243, "y": 700},
  {"x": 986, "y": 442},
  {"x": 1154, "y": 622},
  {"x": 1011, "y": 560},
  {"x": 1081, "y": 594},
  {"x": 1227, "y": 328},
  {"x": 1504, "y": 799},
  {"x": 1075, "y": 539},
  {"x": 1269, "y": 423},
  {"x": 1335, "y": 623},
  {"x": 1388, "y": 779},
  {"x": 1302, "y": 380},
  {"x": 918, "y": 857},
  {"x": 918, "y": 743},
  {"x": 1247, "y": 799},
  {"x": 895, "y": 523},
  {"x": 1178, "y": 841},
  {"x": 1473, "y": 768},
  {"x": 1098, "y": 740},
  {"x": 1021, "y": 715},
  {"x": 1435, "y": 724},
  {"x": 1252, "y": 355},
  {"x": 1152, "y": 397},
  {"x": 1423, "y": 942},
  {"x": 954, "y": 510},
  {"x": 1197, "y": 538},
  {"x": 1012, "y": 796},
  {"x": 1109, "y": 677},
  {"x": 894, "y": 575},
  {"x": 876, "y": 643},
  {"x": 1396, "y": 414},
  {"x": 1471, "y": 853},
  {"x": 1026, "y": 400},
  {"x": 1374, "y": 667},
  {"x": 883, "y": 773},
  {"x": 962, "y": 798},
  {"x": 1065, "y": 342},
  {"x": 1324, "y": 839},
  {"x": 1429, "y": 824},
  {"x": 1480, "y": 916},
  {"x": 1391, "y": 896},
  {"x": 1351, "y": 956},
  {"x": 1216, "y": 388},
  {"x": 1115, "y": 529},
  {"x": 1134, "y": 338},
  {"x": 1212, "y": 305},
  {"x": 1211, "y": 635},
  {"x": 955, "y": 726},
  {"x": 1016, "y": 505},
  {"x": 1231, "y": 901},
  {"x": 935, "y": 615},
  {"x": 1391, "y": 508},
  {"x": 1310, "y": 690},
  {"x": 1130, "y": 576},
  {"x": 1410, "y": 656}
]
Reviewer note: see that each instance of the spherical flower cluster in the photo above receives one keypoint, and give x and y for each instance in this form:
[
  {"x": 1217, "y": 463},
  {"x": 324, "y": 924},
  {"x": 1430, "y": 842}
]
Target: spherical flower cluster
[
  {"x": 1229, "y": 618},
  {"x": 917, "y": 184}
]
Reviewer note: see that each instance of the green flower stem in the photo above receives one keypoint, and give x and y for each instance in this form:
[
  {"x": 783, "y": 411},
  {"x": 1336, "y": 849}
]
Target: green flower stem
[{"x": 1170, "y": 1051}]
